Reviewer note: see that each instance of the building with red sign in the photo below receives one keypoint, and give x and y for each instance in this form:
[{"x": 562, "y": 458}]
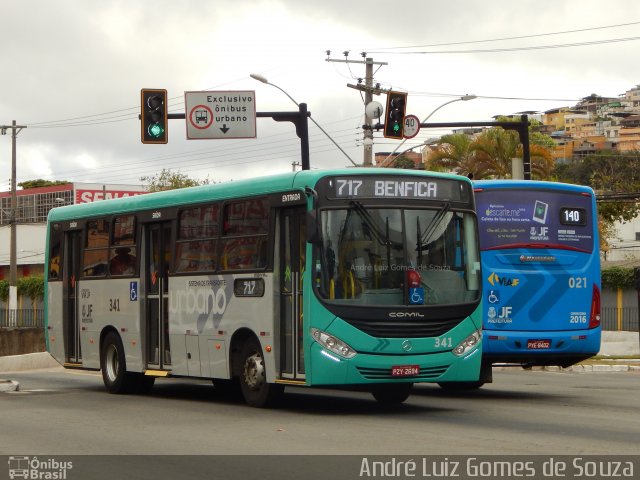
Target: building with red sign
[{"x": 31, "y": 212}]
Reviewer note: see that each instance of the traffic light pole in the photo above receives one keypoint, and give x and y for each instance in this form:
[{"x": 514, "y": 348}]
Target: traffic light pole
[
  {"x": 300, "y": 119},
  {"x": 522, "y": 127}
]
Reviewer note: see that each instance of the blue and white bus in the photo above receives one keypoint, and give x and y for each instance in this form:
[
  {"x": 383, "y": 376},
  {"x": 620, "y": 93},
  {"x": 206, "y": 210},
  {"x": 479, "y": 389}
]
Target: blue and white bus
[{"x": 541, "y": 272}]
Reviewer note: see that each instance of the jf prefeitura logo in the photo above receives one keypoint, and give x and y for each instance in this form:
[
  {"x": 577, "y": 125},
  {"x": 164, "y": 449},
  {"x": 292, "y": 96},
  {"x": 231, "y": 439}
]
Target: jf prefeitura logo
[{"x": 38, "y": 468}]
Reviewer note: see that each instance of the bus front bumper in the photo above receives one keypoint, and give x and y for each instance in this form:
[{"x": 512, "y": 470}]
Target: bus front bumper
[{"x": 331, "y": 369}]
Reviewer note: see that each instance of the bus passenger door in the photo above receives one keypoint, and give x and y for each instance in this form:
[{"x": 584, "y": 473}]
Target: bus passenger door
[
  {"x": 292, "y": 262},
  {"x": 156, "y": 271},
  {"x": 71, "y": 315}
]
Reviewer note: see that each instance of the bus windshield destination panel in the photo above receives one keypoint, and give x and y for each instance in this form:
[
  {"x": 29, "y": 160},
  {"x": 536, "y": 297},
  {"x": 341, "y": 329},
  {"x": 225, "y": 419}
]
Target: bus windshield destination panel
[
  {"x": 308, "y": 278},
  {"x": 541, "y": 272},
  {"x": 361, "y": 187}
]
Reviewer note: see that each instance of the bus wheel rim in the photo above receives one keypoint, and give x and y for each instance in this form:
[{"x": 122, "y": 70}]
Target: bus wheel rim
[
  {"x": 254, "y": 374},
  {"x": 112, "y": 363}
]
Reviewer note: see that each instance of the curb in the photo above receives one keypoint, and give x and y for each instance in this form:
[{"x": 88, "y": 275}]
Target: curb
[
  {"x": 579, "y": 368},
  {"x": 9, "y": 386},
  {"x": 30, "y": 361}
]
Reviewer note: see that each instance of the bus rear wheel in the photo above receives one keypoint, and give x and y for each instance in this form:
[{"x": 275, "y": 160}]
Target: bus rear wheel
[
  {"x": 392, "y": 393},
  {"x": 257, "y": 392}
]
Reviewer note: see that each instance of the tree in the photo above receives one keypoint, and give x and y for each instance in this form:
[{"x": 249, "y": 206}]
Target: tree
[
  {"x": 607, "y": 172},
  {"x": 489, "y": 155},
  {"x": 39, "y": 182},
  {"x": 454, "y": 153},
  {"x": 169, "y": 180},
  {"x": 496, "y": 147},
  {"x": 404, "y": 162}
]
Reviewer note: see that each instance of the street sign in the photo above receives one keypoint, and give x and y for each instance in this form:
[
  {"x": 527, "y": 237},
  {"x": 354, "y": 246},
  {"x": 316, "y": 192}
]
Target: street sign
[
  {"x": 225, "y": 114},
  {"x": 411, "y": 126}
]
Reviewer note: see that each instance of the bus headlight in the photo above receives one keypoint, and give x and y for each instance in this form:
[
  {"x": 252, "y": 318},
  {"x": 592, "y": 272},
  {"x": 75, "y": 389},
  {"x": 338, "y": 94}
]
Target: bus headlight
[
  {"x": 332, "y": 343},
  {"x": 468, "y": 343}
]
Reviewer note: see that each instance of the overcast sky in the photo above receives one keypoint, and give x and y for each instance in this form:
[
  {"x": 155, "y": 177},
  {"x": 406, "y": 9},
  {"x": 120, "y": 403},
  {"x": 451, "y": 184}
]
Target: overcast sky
[{"x": 72, "y": 70}]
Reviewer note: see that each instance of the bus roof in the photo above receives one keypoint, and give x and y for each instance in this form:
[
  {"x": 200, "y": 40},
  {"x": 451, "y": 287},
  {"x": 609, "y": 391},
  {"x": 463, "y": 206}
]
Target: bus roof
[
  {"x": 221, "y": 191},
  {"x": 527, "y": 184}
]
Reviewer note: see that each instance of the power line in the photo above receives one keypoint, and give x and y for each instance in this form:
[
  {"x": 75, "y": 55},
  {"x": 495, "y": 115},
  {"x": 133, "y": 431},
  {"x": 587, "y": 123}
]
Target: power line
[
  {"x": 262, "y": 149},
  {"x": 510, "y": 38},
  {"x": 516, "y": 49},
  {"x": 134, "y": 112}
]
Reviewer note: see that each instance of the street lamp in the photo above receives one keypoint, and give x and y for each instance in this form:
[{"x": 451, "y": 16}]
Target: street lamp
[
  {"x": 261, "y": 78},
  {"x": 463, "y": 98}
]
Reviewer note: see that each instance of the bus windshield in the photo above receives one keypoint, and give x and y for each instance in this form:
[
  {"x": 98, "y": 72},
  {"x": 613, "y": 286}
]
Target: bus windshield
[{"x": 384, "y": 256}]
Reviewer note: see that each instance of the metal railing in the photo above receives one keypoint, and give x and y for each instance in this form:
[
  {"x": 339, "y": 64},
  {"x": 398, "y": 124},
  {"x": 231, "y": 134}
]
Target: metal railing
[
  {"x": 24, "y": 318},
  {"x": 619, "y": 319}
]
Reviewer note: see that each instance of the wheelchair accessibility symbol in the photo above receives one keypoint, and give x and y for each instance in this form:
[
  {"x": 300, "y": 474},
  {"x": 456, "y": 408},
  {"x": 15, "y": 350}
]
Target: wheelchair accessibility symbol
[
  {"x": 493, "y": 297},
  {"x": 133, "y": 291},
  {"x": 416, "y": 296}
]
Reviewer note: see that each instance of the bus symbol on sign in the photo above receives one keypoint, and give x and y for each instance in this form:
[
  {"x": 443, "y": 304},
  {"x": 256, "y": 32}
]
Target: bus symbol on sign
[{"x": 202, "y": 116}]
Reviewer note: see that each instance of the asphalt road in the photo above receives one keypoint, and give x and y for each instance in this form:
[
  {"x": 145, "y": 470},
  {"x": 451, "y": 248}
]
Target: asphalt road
[{"x": 522, "y": 412}]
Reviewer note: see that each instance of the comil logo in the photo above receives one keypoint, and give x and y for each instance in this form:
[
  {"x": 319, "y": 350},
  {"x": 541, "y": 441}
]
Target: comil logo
[{"x": 38, "y": 469}]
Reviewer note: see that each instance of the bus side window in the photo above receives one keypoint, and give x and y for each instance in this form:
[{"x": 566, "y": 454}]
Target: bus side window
[
  {"x": 122, "y": 257},
  {"x": 122, "y": 262},
  {"x": 96, "y": 253},
  {"x": 55, "y": 255}
]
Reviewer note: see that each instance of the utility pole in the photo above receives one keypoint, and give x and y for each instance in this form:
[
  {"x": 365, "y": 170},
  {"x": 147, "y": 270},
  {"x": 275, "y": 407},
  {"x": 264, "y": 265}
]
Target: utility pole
[
  {"x": 13, "y": 267},
  {"x": 369, "y": 91}
]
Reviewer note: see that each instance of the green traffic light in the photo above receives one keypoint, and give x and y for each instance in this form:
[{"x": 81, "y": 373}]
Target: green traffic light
[
  {"x": 396, "y": 127},
  {"x": 155, "y": 130}
]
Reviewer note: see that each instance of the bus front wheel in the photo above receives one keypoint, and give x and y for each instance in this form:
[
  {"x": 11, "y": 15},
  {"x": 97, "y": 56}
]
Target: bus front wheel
[{"x": 257, "y": 392}]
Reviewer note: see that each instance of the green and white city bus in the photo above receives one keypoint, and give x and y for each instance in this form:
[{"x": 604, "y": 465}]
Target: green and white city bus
[{"x": 366, "y": 279}]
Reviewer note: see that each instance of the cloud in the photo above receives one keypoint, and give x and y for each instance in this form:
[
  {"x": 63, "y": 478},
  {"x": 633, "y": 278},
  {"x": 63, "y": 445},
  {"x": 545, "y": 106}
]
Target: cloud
[{"x": 79, "y": 66}]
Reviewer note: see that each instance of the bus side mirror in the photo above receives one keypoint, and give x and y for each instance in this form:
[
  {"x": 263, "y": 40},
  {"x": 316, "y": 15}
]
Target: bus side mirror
[{"x": 313, "y": 229}]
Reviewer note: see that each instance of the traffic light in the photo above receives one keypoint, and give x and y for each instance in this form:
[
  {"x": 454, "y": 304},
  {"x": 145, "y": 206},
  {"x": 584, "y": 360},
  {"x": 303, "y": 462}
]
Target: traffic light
[
  {"x": 394, "y": 116},
  {"x": 154, "y": 116}
]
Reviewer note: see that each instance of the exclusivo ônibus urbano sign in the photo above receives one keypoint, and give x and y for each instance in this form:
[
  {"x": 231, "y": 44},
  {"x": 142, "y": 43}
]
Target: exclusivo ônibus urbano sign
[{"x": 221, "y": 114}]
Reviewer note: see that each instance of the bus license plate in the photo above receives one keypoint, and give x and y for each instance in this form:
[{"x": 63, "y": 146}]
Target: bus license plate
[
  {"x": 405, "y": 370},
  {"x": 538, "y": 344}
]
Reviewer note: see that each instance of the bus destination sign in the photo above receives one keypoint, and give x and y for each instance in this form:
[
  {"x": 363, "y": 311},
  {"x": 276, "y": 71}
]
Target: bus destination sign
[{"x": 409, "y": 187}]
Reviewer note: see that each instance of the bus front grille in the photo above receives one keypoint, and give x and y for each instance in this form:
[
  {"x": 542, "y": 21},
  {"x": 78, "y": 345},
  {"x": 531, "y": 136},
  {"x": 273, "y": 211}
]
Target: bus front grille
[{"x": 405, "y": 329}]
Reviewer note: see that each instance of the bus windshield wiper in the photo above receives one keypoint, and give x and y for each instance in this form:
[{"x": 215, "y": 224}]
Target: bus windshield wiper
[
  {"x": 434, "y": 224},
  {"x": 381, "y": 237}
]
